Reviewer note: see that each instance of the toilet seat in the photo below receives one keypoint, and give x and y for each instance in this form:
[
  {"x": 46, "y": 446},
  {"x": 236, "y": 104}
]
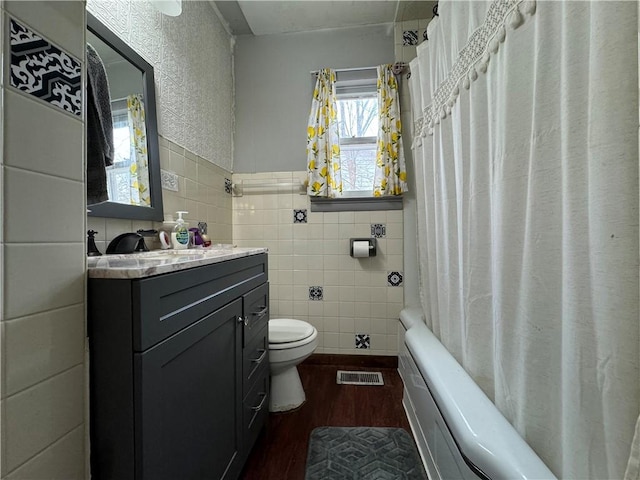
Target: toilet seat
[{"x": 289, "y": 333}]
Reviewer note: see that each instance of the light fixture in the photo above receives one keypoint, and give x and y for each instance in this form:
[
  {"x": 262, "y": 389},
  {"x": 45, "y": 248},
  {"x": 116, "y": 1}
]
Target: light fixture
[{"x": 173, "y": 8}]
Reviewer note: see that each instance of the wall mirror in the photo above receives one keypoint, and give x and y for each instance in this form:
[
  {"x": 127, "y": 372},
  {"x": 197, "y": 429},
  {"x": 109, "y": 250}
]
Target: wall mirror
[{"x": 133, "y": 181}]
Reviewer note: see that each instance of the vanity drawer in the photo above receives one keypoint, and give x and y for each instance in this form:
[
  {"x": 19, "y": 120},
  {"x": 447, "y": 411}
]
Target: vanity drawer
[
  {"x": 255, "y": 408},
  {"x": 254, "y": 356},
  {"x": 256, "y": 312},
  {"x": 168, "y": 303}
]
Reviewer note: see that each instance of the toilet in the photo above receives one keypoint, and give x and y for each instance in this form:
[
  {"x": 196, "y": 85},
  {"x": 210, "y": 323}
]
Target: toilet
[{"x": 290, "y": 342}]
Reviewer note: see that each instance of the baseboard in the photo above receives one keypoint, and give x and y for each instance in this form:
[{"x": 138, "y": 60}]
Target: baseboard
[{"x": 366, "y": 361}]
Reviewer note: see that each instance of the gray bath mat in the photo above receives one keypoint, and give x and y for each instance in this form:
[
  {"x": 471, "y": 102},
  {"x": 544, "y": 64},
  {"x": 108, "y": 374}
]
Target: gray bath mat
[{"x": 356, "y": 453}]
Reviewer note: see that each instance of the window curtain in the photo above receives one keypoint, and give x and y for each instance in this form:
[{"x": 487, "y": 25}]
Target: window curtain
[
  {"x": 526, "y": 159},
  {"x": 390, "y": 172},
  {"x": 139, "y": 169},
  {"x": 323, "y": 141}
]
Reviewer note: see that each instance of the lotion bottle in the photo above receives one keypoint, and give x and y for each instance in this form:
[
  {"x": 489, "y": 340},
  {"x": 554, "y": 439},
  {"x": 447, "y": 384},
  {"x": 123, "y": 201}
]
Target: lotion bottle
[{"x": 180, "y": 234}]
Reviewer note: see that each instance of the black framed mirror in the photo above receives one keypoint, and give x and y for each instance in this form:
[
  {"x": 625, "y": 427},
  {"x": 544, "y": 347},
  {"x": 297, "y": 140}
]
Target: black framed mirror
[{"x": 133, "y": 99}]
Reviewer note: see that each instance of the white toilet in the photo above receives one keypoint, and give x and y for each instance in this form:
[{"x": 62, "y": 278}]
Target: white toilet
[{"x": 290, "y": 342}]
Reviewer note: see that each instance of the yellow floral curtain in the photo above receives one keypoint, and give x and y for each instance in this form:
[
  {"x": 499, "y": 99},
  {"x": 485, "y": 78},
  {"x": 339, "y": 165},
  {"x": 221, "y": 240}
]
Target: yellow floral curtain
[
  {"x": 139, "y": 170},
  {"x": 323, "y": 141},
  {"x": 391, "y": 173}
]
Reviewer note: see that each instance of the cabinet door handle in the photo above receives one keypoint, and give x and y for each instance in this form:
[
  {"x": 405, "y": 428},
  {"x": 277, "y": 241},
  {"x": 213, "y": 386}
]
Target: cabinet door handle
[
  {"x": 261, "y": 313},
  {"x": 244, "y": 320},
  {"x": 259, "y": 407},
  {"x": 261, "y": 357}
]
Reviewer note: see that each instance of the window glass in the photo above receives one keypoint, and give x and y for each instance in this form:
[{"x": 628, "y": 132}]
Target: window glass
[{"x": 358, "y": 130}]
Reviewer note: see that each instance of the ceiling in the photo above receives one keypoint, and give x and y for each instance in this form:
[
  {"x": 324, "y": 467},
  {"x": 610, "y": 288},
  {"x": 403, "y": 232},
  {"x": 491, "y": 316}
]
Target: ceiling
[{"x": 266, "y": 17}]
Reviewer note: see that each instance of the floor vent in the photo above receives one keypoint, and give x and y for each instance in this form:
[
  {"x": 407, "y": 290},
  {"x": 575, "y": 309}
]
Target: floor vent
[{"x": 345, "y": 377}]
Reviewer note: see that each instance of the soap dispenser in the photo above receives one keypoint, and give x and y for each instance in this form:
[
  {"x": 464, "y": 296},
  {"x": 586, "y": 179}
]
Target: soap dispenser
[{"x": 180, "y": 234}]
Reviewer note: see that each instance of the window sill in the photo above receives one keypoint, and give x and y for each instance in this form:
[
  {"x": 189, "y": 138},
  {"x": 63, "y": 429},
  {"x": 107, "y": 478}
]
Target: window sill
[{"x": 355, "y": 204}]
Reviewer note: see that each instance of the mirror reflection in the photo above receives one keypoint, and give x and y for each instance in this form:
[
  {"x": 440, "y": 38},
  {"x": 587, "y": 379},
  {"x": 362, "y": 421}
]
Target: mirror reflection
[
  {"x": 133, "y": 184},
  {"x": 128, "y": 176}
]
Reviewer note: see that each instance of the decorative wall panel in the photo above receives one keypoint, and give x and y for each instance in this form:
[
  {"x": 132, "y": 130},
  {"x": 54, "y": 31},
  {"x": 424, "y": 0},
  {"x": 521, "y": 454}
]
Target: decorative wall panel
[
  {"x": 192, "y": 58},
  {"x": 43, "y": 70}
]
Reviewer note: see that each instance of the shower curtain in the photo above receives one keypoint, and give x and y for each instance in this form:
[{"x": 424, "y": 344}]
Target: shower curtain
[{"x": 526, "y": 158}]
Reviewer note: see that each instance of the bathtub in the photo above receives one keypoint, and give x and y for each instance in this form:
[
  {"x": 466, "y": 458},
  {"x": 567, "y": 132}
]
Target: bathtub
[{"x": 459, "y": 432}]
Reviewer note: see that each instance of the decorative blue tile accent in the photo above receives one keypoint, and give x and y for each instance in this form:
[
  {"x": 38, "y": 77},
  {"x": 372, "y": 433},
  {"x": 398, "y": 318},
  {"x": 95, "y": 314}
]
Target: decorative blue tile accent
[
  {"x": 300, "y": 216},
  {"x": 394, "y": 279},
  {"x": 410, "y": 37},
  {"x": 363, "y": 340},
  {"x": 227, "y": 185},
  {"x": 315, "y": 293},
  {"x": 378, "y": 230},
  {"x": 43, "y": 70}
]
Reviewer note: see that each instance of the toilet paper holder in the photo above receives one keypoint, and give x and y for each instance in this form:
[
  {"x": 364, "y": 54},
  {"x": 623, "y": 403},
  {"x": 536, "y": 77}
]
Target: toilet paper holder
[{"x": 372, "y": 246}]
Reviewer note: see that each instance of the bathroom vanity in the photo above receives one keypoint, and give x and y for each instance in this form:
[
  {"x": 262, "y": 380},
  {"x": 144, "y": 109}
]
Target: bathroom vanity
[{"x": 179, "y": 368}]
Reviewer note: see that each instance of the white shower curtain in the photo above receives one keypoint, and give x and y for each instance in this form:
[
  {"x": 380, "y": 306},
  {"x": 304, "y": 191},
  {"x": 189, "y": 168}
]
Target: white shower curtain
[{"x": 527, "y": 194}]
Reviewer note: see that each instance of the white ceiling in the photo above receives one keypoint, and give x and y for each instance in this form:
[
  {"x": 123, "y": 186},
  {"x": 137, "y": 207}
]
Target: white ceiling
[{"x": 265, "y": 17}]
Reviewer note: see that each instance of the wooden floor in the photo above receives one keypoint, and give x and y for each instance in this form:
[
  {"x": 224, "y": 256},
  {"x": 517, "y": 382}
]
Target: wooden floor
[{"x": 281, "y": 451}]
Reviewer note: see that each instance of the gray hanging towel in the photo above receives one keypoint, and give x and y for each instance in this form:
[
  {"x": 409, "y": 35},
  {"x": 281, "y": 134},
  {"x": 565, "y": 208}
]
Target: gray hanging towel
[{"x": 99, "y": 128}]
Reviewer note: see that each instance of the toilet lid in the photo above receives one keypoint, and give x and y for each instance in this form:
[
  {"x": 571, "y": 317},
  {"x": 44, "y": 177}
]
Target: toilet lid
[{"x": 286, "y": 330}]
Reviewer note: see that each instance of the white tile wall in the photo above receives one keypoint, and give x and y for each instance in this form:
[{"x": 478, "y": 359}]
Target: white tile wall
[
  {"x": 42, "y": 266},
  {"x": 42, "y": 345},
  {"x": 39, "y": 416},
  {"x": 201, "y": 190},
  {"x": 356, "y": 296},
  {"x": 63, "y": 460},
  {"x": 62, "y": 22},
  {"x": 53, "y": 138},
  {"x": 42, "y": 277},
  {"x": 42, "y": 206}
]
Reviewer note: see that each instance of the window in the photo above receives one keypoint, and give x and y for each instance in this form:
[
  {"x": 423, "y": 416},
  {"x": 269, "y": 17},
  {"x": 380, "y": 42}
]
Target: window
[
  {"x": 358, "y": 130},
  {"x": 357, "y": 103}
]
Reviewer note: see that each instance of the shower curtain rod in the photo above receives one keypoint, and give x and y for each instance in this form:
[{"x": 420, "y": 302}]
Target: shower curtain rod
[{"x": 338, "y": 70}]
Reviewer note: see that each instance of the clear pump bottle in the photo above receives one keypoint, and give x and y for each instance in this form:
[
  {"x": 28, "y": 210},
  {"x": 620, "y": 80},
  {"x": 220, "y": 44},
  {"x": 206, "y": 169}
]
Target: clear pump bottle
[{"x": 180, "y": 234}]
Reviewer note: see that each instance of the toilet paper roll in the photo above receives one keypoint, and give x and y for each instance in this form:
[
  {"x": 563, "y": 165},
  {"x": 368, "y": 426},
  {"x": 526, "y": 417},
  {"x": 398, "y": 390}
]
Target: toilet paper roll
[{"x": 360, "y": 249}]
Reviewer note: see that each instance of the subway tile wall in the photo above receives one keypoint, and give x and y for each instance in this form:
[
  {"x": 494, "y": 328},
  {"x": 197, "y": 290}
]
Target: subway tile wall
[
  {"x": 201, "y": 192},
  {"x": 356, "y": 300},
  {"x": 405, "y": 52},
  {"x": 42, "y": 266}
]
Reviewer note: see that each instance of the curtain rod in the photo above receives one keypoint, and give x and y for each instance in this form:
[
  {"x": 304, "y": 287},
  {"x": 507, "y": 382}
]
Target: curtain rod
[{"x": 338, "y": 70}]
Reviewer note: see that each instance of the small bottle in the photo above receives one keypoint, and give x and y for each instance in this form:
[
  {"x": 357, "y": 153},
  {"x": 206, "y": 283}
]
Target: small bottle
[{"x": 180, "y": 234}]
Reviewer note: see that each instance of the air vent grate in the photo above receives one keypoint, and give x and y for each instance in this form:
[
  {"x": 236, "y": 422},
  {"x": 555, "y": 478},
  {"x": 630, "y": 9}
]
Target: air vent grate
[{"x": 345, "y": 377}]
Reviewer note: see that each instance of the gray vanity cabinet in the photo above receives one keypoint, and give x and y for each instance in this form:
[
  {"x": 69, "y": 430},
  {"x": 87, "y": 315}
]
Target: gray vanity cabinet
[
  {"x": 186, "y": 383},
  {"x": 178, "y": 374}
]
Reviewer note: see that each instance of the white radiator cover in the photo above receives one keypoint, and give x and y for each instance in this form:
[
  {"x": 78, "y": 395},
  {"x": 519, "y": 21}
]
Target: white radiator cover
[{"x": 458, "y": 430}]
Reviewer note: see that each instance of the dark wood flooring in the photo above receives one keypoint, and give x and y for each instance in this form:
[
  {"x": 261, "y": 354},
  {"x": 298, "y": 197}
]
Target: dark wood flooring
[{"x": 281, "y": 451}]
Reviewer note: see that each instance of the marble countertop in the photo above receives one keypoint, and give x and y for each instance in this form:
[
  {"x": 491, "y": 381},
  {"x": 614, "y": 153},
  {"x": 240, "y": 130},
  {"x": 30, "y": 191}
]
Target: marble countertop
[{"x": 157, "y": 262}]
